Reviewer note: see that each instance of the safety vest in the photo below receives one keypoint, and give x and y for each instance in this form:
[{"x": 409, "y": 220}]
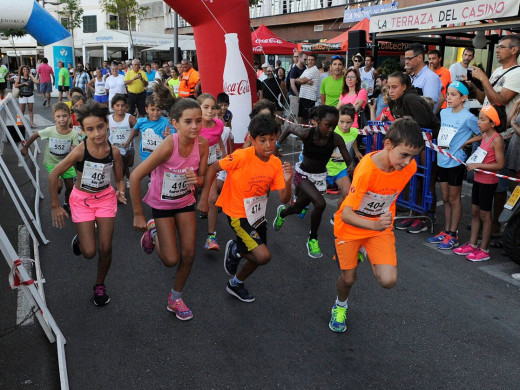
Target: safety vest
[{"x": 188, "y": 82}]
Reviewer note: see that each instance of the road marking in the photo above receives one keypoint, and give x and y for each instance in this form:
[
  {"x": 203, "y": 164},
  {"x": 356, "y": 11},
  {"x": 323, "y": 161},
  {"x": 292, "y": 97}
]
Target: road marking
[
  {"x": 23, "y": 308},
  {"x": 502, "y": 271}
]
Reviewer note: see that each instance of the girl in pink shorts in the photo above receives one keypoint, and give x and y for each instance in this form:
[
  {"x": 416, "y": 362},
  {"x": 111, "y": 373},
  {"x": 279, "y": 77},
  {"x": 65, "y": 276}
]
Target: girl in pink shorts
[
  {"x": 93, "y": 200},
  {"x": 177, "y": 166}
]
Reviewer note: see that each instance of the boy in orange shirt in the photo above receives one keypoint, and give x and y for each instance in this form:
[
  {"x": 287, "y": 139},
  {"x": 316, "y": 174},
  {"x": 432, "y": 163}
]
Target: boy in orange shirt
[
  {"x": 251, "y": 173},
  {"x": 366, "y": 215}
]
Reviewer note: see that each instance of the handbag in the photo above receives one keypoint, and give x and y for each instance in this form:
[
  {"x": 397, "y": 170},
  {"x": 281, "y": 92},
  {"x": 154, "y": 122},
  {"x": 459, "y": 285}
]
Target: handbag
[
  {"x": 362, "y": 118},
  {"x": 16, "y": 92}
]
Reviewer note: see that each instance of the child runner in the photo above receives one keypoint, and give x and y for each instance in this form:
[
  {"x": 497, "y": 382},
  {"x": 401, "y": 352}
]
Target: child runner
[
  {"x": 61, "y": 140},
  {"x": 365, "y": 216},
  {"x": 223, "y": 102},
  {"x": 153, "y": 128},
  {"x": 337, "y": 173},
  {"x": 251, "y": 173},
  {"x": 489, "y": 157},
  {"x": 76, "y": 101},
  {"x": 176, "y": 166},
  {"x": 457, "y": 126},
  {"x": 121, "y": 124},
  {"x": 212, "y": 129},
  {"x": 310, "y": 178},
  {"x": 93, "y": 200},
  {"x": 97, "y": 85}
]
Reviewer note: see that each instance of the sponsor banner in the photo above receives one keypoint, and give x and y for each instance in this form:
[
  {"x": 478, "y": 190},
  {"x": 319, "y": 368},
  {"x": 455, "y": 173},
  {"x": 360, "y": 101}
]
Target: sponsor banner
[
  {"x": 444, "y": 14},
  {"x": 321, "y": 46},
  {"x": 357, "y": 14}
]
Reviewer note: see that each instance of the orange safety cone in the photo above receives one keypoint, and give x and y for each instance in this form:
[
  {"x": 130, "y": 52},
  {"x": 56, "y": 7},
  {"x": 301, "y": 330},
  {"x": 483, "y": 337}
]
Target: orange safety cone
[{"x": 18, "y": 121}]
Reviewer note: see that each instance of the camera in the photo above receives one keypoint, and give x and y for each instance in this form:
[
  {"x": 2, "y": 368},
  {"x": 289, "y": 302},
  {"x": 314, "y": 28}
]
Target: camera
[{"x": 370, "y": 101}]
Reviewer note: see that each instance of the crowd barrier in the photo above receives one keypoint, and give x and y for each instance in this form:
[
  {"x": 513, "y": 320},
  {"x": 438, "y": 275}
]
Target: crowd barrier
[{"x": 418, "y": 195}]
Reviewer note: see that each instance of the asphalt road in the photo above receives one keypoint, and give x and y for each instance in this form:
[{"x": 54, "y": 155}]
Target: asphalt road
[{"x": 448, "y": 324}]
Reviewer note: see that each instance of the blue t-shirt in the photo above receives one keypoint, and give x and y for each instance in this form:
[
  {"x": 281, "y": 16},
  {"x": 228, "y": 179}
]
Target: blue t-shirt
[
  {"x": 465, "y": 124},
  {"x": 151, "y": 142},
  {"x": 150, "y": 75}
]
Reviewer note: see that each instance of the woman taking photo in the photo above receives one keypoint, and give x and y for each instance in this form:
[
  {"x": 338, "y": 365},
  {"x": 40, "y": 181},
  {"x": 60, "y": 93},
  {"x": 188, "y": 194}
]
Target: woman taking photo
[
  {"x": 25, "y": 83},
  {"x": 353, "y": 93}
]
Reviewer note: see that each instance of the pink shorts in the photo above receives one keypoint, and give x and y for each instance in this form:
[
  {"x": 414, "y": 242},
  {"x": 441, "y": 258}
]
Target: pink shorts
[{"x": 86, "y": 206}]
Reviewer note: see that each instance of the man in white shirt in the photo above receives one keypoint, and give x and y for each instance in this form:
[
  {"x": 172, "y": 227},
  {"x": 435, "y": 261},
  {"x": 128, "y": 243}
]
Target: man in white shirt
[
  {"x": 368, "y": 75},
  {"x": 459, "y": 70},
  {"x": 308, "y": 81}
]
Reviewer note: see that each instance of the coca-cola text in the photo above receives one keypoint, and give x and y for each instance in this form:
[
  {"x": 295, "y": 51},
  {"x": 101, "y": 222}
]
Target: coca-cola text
[{"x": 238, "y": 88}]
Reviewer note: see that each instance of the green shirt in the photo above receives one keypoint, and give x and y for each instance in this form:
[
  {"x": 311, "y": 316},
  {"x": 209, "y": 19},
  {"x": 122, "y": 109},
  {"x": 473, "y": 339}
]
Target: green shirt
[
  {"x": 336, "y": 165},
  {"x": 64, "y": 73},
  {"x": 332, "y": 89},
  {"x": 3, "y": 72},
  {"x": 58, "y": 146}
]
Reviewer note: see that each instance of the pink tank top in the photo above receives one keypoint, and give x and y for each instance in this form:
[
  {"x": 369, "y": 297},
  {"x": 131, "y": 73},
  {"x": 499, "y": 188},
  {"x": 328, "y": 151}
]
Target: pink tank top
[
  {"x": 489, "y": 159},
  {"x": 212, "y": 134},
  {"x": 168, "y": 188}
]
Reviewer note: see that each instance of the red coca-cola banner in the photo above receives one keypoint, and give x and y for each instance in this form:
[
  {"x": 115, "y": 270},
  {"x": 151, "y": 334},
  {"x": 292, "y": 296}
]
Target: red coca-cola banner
[{"x": 211, "y": 20}]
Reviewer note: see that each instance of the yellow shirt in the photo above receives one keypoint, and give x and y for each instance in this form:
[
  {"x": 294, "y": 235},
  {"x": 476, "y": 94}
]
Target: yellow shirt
[{"x": 136, "y": 86}]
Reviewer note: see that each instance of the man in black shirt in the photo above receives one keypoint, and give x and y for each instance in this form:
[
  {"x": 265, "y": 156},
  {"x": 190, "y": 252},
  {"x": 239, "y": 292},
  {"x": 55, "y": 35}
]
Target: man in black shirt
[{"x": 271, "y": 88}]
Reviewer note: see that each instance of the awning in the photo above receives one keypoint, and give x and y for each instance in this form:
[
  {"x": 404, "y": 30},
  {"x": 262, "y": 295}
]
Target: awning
[
  {"x": 267, "y": 42},
  {"x": 342, "y": 39},
  {"x": 121, "y": 38},
  {"x": 183, "y": 45}
]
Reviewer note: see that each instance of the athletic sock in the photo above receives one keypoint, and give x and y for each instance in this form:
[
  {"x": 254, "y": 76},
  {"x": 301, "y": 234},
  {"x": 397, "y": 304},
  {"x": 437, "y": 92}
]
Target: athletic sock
[
  {"x": 282, "y": 213},
  {"x": 176, "y": 295},
  {"x": 311, "y": 237},
  {"x": 342, "y": 304},
  {"x": 235, "y": 281},
  {"x": 153, "y": 233}
]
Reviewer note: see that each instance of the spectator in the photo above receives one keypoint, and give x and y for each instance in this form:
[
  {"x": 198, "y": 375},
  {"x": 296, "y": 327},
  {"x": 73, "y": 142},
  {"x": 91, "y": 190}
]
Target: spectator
[
  {"x": 105, "y": 70},
  {"x": 434, "y": 61},
  {"x": 358, "y": 61},
  {"x": 3, "y": 80},
  {"x": 426, "y": 81},
  {"x": 368, "y": 75},
  {"x": 294, "y": 88},
  {"x": 46, "y": 77},
  {"x": 262, "y": 76},
  {"x": 63, "y": 81},
  {"x": 174, "y": 81},
  {"x": 190, "y": 81},
  {"x": 136, "y": 82},
  {"x": 280, "y": 74},
  {"x": 353, "y": 93},
  {"x": 72, "y": 73},
  {"x": 459, "y": 70},
  {"x": 25, "y": 83},
  {"x": 308, "y": 81},
  {"x": 271, "y": 89},
  {"x": 150, "y": 73},
  {"x": 380, "y": 102},
  {"x": 332, "y": 86},
  {"x": 324, "y": 73},
  {"x": 81, "y": 78}
]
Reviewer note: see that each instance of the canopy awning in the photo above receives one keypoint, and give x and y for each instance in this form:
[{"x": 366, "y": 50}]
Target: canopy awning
[
  {"x": 121, "y": 38},
  {"x": 342, "y": 39},
  {"x": 183, "y": 45},
  {"x": 267, "y": 42}
]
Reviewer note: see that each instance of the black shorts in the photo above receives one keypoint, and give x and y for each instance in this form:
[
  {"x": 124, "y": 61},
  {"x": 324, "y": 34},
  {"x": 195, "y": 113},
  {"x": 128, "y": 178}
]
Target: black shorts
[
  {"x": 159, "y": 213},
  {"x": 63, "y": 88},
  {"x": 482, "y": 195},
  {"x": 3, "y": 85},
  {"x": 248, "y": 238},
  {"x": 453, "y": 175},
  {"x": 304, "y": 107}
]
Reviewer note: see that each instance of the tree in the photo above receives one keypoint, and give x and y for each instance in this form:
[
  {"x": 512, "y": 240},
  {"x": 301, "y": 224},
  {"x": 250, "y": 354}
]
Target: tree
[
  {"x": 127, "y": 11},
  {"x": 72, "y": 15},
  {"x": 12, "y": 33}
]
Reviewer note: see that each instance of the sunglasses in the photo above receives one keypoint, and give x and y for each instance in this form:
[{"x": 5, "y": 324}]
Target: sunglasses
[
  {"x": 357, "y": 60},
  {"x": 337, "y": 57}
]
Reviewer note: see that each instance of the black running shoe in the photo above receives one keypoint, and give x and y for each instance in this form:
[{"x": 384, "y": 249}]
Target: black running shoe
[
  {"x": 75, "y": 246},
  {"x": 231, "y": 260},
  {"x": 240, "y": 291},
  {"x": 100, "y": 295}
]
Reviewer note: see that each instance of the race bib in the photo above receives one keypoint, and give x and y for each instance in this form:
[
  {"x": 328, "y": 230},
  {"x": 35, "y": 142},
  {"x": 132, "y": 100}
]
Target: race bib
[
  {"x": 255, "y": 210},
  {"x": 212, "y": 155},
  {"x": 319, "y": 180},
  {"x": 446, "y": 134},
  {"x": 477, "y": 157},
  {"x": 174, "y": 186},
  {"x": 79, "y": 132},
  {"x": 59, "y": 147},
  {"x": 374, "y": 205},
  {"x": 150, "y": 141},
  {"x": 119, "y": 136},
  {"x": 100, "y": 89},
  {"x": 96, "y": 176}
]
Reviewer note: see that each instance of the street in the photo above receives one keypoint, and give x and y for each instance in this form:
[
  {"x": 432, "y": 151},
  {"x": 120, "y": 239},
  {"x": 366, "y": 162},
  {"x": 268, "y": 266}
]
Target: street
[{"x": 448, "y": 323}]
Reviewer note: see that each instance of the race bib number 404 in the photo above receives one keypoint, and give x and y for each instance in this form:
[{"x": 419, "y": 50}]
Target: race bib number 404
[{"x": 375, "y": 205}]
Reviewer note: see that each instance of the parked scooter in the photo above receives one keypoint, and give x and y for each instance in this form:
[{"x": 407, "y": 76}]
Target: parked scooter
[{"x": 511, "y": 234}]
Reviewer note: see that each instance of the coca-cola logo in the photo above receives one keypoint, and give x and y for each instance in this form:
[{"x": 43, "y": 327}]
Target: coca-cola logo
[
  {"x": 239, "y": 88},
  {"x": 268, "y": 40}
]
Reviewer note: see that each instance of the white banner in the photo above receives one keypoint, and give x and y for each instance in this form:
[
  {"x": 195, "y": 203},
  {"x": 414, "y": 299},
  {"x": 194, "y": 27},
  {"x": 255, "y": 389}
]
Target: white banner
[{"x": 444, "y": 14}]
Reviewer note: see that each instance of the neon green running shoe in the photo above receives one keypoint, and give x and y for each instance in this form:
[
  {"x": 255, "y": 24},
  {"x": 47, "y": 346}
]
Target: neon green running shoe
[
  {"x": 278, "y": 221},
  {"x": 338, "y": 320},
  {"x": 313, "y": 248}
]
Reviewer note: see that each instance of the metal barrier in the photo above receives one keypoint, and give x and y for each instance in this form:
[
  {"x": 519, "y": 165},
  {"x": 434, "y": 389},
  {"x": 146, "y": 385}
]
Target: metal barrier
[{"x": 418, "y": 195}]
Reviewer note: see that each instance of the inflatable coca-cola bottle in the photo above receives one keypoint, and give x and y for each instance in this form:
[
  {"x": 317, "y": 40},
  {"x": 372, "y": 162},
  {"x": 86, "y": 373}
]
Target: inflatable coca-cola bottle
[{"x": 236, "y": 85}]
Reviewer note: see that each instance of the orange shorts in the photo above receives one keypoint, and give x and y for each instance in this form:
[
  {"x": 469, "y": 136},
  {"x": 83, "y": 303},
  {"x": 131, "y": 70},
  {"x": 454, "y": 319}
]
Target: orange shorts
[{"x": 380, "y": 250}]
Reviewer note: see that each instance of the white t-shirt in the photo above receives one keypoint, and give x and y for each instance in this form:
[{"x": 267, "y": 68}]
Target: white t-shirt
[
  {"x": 115, "y": 85},
  {"x": 367, "y": 80},
  {"x": 308, "y": 91},
  {"x": 510, "y": 81},
  {"x": 457, "y": 71}
]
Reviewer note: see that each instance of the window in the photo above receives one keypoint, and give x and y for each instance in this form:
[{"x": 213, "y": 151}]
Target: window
[
  {"x": 65, "y": 22},
  {"x": 112, "y": 22},
  {"x": 90, "y": 24}
]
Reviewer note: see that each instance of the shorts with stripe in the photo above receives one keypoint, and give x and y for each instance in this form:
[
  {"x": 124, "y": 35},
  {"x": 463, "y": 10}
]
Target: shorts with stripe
[{"x": 248, "y": 238}]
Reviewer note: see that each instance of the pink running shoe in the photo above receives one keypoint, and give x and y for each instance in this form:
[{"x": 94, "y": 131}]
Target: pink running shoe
[
  {"x": 180, "y": 309},
  {"x": 478, "y": 255},
  {"x": 465, "y": 249},
  {"x": 147, "y": 244}
]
